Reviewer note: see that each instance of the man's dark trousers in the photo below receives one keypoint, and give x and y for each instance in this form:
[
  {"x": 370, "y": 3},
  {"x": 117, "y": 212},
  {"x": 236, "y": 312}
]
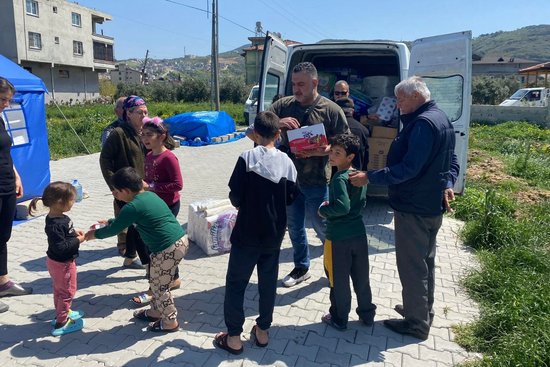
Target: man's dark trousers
[{"x": 415, "y": 247}]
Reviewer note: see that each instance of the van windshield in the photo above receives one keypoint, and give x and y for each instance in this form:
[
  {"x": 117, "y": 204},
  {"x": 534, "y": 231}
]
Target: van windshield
[
  {"x": 520, "y": 93},
  {"x": 254, "y": 94}
]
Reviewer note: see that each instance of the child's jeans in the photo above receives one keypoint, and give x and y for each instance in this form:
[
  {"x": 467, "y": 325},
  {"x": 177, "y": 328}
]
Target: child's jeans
[
  {"x": 64, "y": 286},
  {"x": 162, "y": 272}
]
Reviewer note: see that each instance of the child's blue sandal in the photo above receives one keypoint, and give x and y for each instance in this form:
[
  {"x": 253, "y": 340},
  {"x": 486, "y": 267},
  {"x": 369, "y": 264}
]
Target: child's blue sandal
[
  {"x": 70, "y": 327},
  {"x": 73, "y": 315}
]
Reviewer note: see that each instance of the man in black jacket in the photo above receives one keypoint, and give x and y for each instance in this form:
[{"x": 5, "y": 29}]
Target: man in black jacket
[
  {"x": 361, "y": 160},
  {"x": 420, "y": 173}
]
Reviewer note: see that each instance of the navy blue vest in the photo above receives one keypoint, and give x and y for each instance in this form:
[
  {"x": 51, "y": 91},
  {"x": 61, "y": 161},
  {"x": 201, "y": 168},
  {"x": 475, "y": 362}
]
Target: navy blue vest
[{"x": 423, "y": 194}]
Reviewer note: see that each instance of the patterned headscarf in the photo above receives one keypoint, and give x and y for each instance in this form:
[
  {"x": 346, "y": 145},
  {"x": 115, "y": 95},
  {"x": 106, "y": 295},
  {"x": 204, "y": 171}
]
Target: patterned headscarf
[{"x": 131, "y": 102}]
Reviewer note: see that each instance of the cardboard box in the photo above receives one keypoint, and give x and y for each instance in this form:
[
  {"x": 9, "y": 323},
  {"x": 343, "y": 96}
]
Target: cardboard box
[
  {"x": 384, "y": 132},
  {"x": 307, "y": 137},
  {"x": 378, "y": 152}
]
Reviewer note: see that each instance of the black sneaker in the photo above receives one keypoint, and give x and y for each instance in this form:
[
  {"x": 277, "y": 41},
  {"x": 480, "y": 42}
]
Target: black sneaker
[{"x": 297, "y": 275}]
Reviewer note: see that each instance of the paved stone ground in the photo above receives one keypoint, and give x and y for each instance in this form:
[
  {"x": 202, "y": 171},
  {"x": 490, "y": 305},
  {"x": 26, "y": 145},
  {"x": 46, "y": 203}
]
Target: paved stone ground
[{"x": 297, "y": 338}]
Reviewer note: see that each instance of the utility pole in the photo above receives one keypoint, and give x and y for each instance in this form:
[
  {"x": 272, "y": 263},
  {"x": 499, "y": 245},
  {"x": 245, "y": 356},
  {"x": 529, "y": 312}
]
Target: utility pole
[
  {"x": 143, "y": 73},
  {"x": 215, "y": 89}
]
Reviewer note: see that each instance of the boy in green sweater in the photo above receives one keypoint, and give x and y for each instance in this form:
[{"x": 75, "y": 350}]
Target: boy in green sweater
[
  {"x": 162, "y": 234},
  {"x": 346, "y": 248}
]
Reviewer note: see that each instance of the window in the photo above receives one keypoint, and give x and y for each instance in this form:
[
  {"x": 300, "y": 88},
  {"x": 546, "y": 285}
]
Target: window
[
  {"x": 31, "y": 7},
  {"x": 56, "y": 40},
  {"x": 63, "y": 73},
  {"x": 35, "y": 41},
  {"x": 55, "y": 9},
  {"x": 78, "y": 49},
  {"x": 16, "y": 125},
  {"x": 76, "y": 19},
  {"x": 271, "y": 89},
  {"x": 445, "y": 91}
]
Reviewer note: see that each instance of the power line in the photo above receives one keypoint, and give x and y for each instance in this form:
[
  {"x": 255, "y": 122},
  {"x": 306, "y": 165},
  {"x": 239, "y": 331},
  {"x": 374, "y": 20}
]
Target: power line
[
  {"x": 208, "y": 12},
  {"x": 292, "y": 13},
  {"x": 287, "y": 17}
]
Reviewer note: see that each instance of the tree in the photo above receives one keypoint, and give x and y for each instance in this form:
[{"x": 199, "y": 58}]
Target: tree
[{"x": 492, "y": 90}]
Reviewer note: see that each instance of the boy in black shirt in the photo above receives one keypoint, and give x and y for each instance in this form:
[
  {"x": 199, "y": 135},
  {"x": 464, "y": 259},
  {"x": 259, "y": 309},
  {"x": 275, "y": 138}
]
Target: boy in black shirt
[{"x": 262, "y": 184}]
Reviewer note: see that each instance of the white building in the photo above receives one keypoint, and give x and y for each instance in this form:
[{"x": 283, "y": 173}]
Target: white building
[
  {"x": 124, "y": 74},
  {"x": 59, "y": 42}
]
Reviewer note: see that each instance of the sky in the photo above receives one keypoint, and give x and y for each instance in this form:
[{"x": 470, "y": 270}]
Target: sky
[{"x": 174, "y": 28}]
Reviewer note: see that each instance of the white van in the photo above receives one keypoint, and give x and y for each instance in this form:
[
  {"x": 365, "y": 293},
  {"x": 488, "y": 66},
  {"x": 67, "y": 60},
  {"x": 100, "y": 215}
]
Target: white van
[
  {"x": 528, "y": 97},
  {"x": 373, "y": 67},
  {"x": 251, "y": 105}
]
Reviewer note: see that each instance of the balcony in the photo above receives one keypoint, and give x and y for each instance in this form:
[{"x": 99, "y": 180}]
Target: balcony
[{"x": 103, "y": 56}]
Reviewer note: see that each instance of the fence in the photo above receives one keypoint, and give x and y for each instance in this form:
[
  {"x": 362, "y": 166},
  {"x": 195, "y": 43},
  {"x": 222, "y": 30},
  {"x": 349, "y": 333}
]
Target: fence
[{"x": 496, "y": 114}]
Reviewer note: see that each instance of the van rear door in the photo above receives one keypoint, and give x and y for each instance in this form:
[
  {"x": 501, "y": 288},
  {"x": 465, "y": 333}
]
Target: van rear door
[
  {"x": 273, "y": 73},
  {"x": 445, "y": 64}
]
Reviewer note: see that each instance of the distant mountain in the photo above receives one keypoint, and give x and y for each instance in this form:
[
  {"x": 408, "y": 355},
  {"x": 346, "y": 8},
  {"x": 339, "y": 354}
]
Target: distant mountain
[{"x": 530, "y": 43}]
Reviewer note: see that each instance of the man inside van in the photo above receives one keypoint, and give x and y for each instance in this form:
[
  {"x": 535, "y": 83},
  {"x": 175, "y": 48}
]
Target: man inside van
[
  {"x": 420, "y": 172},
  {"x": 341, "y": 90},
  {"x": 307, "y": 107}
]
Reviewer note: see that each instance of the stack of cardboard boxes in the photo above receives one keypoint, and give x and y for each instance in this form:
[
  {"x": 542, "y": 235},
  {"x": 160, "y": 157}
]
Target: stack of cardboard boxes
[{"x": 379, "y": 145}]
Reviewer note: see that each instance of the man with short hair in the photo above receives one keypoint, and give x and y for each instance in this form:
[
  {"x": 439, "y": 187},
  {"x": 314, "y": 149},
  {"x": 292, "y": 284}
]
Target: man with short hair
[
  {"x": 118, "y": 112},
  {"x": 421, "y": 171},
  {"x": 341, "y": 90},
  {"x": 307, "y": 107}
]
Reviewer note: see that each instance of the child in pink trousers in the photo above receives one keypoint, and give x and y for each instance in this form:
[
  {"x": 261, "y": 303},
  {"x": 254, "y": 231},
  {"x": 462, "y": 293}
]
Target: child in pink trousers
[{"x": 63, "y": 244}]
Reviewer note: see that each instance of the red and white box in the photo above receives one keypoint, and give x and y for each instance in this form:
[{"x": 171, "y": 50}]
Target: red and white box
[{"x": 307, "y": 137}]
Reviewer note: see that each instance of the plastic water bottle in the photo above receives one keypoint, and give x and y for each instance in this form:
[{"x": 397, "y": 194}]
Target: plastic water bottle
[{"x": 78, "y": 188}]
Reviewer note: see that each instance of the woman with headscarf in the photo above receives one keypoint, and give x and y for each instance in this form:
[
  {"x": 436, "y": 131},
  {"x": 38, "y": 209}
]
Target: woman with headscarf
[
  {"x": 10, "y": 190},
  {"x": 123, "y": 148}
]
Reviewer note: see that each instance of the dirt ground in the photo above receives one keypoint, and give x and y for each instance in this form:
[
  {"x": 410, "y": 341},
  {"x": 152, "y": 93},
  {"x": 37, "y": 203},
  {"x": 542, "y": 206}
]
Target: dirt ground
[{"x": 491, "y": 170}]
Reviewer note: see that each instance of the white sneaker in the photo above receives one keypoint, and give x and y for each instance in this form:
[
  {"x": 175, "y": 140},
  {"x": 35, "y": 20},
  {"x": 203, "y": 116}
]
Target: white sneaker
[{"x": 296, "y": 276}]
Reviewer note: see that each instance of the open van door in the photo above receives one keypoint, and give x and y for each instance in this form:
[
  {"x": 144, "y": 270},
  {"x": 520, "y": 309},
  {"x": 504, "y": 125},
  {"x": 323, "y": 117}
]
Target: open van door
[
  {"x": 445, "y": 64},
  {"x": 273, "y": 73}
]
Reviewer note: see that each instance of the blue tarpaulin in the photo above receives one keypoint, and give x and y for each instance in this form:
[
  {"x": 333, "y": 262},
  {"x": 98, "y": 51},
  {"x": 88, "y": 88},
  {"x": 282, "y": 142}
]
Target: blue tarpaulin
[
  {"x": 204, "y": 125},
  {"x": 26, "y": 123}
]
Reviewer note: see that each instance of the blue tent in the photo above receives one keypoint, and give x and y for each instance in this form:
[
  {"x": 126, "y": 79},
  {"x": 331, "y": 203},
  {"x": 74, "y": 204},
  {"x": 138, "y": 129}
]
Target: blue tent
[
  {"x": 204, "y": 125},
  {"x": 26, "y": 123}
]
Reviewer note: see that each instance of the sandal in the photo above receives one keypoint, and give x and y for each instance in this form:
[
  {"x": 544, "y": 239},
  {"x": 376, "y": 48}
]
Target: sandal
[
  {"x": 254, "y": 337},
  {"x": 142, "y": 315},
  {"x": 220, "y": 341},
  {"x": 176, "y": 284},
  {"x": 143, "y": 299},
  {"x": 327, "y": 319},
  {"x": 135, "y": 264},
  {"x": 158, "y": 328}
]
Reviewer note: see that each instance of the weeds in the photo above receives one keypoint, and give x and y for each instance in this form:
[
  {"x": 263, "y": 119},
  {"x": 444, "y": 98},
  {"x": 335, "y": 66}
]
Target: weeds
[
  {"x": 512, "y": 240},
  {"x": 89, "y": 120}
]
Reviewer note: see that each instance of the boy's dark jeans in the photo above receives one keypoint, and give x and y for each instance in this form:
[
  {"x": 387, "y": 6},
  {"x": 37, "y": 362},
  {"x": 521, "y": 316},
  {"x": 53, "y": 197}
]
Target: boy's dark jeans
[
  {"x": 242, "y": 261},
  {"x": 350, "y": 258}
]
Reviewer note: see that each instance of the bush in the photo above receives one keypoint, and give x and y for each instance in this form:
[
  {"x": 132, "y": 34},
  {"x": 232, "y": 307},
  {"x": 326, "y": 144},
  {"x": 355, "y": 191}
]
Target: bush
[{"x": 492, "y": 90}]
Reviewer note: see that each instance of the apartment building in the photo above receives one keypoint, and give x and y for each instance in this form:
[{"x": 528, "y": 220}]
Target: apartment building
[
  {"x": 60, "y": 42},
  {"x": 125, "y": 74}
]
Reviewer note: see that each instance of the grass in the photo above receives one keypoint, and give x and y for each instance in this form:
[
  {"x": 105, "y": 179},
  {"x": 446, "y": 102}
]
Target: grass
[
  {"x": 512, "y": 243},
  {"x": 89, "y": 120}
]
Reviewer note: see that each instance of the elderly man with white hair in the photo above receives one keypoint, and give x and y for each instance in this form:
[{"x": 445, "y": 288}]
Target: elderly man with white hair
[{"x": 420, "y": 172}]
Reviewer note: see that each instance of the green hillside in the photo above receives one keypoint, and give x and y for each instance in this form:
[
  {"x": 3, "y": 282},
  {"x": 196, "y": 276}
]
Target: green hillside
[{"x": 530, "y": 43}]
